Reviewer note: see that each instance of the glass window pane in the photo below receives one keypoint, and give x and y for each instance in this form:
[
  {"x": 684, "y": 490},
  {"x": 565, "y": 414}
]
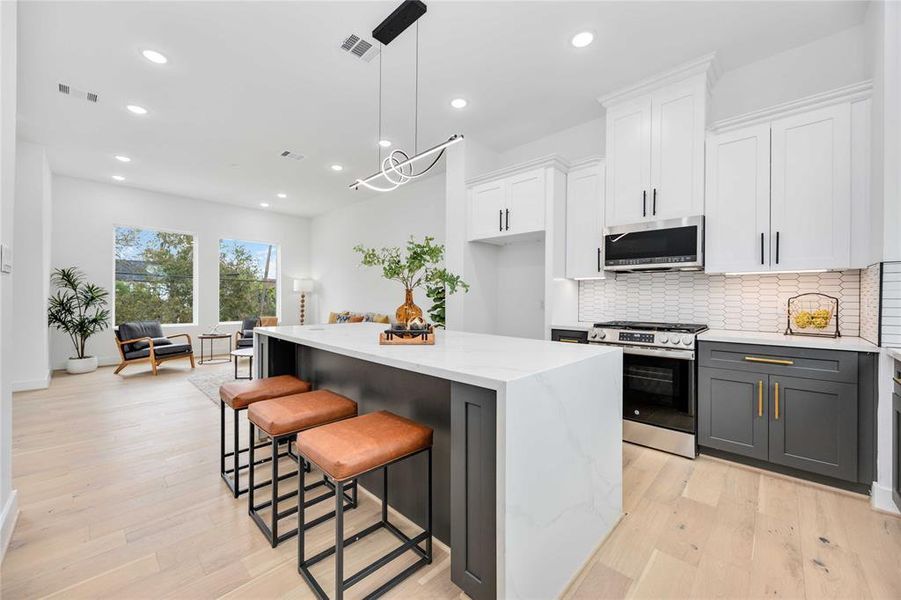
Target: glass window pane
[
  {"x": 248, "y": 272},
  {"x": 154, "y": 276}
]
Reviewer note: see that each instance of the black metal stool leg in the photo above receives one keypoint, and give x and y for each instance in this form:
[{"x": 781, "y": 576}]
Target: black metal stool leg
[
  {"x": 236, "y": 454},
  {"x": 428, "y": 540},
  {"x": 339, "y": 540},
  {"x": 222, "y": 438},
  {"x": 273, "y": 528},
  {"x": 250, "y": 468}
]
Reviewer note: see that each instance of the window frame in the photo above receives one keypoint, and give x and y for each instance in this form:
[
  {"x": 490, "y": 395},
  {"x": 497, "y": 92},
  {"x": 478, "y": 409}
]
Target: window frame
[
  {"x": 195, "y": 264},
  {"x": 278, "y": 276}
]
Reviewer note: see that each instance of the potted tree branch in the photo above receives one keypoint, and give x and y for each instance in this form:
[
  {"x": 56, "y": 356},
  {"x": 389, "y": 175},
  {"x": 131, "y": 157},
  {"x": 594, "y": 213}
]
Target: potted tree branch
[
  {"x": 80, "y": 309},
  {"x": 420, "y": 265}
]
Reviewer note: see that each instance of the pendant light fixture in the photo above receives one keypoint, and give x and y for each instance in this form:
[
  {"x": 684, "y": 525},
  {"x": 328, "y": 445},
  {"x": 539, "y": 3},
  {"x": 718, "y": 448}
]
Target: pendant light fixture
[{"x": 397, "y": 168}]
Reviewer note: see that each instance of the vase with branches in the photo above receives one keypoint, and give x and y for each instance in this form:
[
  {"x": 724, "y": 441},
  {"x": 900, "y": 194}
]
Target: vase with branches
[
  {"x": 420, "y": 263},
  {"x": 79, "y": 309}
]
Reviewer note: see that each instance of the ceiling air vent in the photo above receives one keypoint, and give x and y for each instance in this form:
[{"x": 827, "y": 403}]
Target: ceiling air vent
[
  {"x": 359, "y": 47},
  {"x": 291, "y": 155},
  {"x": 65, "y": 88}
]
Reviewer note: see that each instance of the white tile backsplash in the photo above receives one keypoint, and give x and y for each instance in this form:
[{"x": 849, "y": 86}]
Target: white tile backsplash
[
  {"x": 741, "y": 302},
  {"x": 891, "y": 304},
  {"x": 870, "y": 280}
]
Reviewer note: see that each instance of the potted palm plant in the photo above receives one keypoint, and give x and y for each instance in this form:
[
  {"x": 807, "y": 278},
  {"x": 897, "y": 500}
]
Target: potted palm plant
[
  {"x": 80, "y": 309},
  {"x": 420, "y": 265}
]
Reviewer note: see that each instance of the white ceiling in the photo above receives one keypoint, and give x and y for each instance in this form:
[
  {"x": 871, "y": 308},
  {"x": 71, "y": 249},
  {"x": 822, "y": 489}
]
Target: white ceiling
[{"x": 246, "y": 80}]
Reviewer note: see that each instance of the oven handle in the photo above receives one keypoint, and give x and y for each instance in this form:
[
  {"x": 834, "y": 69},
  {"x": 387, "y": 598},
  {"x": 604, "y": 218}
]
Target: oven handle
[{"x": 665, "y": 353}]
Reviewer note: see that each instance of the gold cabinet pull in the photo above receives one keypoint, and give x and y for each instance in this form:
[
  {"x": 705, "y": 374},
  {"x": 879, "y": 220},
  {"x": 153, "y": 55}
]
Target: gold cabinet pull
[
  {"x": 759, "y": 398},
  {"x": 769, "y": 361},
  {"x": 777, "y": 400}
]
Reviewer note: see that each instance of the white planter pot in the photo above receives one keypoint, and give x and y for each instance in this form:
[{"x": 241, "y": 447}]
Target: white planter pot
[{"x": 81, "y": 365}]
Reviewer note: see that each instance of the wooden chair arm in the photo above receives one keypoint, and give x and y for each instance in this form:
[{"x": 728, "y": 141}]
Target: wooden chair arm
[{"x": 184, "y": 335}]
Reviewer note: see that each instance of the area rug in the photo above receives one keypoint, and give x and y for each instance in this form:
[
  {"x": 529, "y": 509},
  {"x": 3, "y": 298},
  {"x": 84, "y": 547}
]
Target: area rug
[{"x": 208, "y": 378}]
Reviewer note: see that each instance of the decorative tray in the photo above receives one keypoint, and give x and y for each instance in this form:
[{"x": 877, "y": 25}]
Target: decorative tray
[{"x": 408, "y": 337}]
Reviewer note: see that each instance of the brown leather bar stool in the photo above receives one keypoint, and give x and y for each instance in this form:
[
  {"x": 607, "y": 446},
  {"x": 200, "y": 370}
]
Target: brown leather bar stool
[
  {"x": 345, "y": 451},
  {"x": 238, "y": 395},
  {"x": 282, "y": 419}
]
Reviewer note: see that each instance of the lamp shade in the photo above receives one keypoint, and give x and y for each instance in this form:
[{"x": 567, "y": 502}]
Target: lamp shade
[{"x": 304, "y": 286}]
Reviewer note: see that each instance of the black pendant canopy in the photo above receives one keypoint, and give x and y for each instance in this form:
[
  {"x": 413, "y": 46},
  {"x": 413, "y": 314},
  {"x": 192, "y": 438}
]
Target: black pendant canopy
[{"x": 403, "y": 16}]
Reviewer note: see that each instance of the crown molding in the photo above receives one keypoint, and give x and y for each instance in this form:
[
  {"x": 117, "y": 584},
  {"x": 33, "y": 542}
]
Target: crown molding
[
  {"x": 849, "y": 93},
  {"x": 704, "y": 65},
  {"x": 588, "y": 161},
  {"x": 552, "y": 160}
]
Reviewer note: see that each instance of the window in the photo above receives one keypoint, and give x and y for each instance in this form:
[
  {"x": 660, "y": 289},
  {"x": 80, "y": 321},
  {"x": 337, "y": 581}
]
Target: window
[
  {"x": 154, "y": 276},
  {"x": 248, "y": 272}
]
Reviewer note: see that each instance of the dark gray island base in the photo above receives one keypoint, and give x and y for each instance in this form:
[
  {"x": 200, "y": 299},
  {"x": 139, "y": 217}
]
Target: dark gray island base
[{"x": 463, "y": 456}]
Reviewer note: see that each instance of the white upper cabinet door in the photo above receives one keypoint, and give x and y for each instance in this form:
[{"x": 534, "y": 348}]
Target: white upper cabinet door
[
  {"x": 677, "y": 152},
  {"x": 585, "y": 222},
  {"x": 487, "y": 203},
  {"x": 737, "y": 226},
  {"x": 526, "y": 206},
  {"x": 811, "y": 190},
  {"x": 628, "y": 162}
]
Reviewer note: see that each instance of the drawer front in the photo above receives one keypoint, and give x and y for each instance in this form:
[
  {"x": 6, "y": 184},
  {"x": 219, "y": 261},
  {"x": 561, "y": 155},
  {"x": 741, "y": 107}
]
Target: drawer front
[{"x": 825, "y": 365}]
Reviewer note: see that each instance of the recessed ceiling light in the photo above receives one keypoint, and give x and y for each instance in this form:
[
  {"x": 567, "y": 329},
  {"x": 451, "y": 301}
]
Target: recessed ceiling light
[
  {"x": 264, "y": 204},
  {"x": 459, "y": 103},
  {"x": 282, "y": 195},
  {"x": 155, "y": 57},
  {"x": 118, "y": 178},
  {"x": 121, "y": 158},
  {"x": 582, "y": 39},
  {"x": 385, "y": 143},
  {"x": 337, "y": 168},
  {"x": 138, "y": 110}
]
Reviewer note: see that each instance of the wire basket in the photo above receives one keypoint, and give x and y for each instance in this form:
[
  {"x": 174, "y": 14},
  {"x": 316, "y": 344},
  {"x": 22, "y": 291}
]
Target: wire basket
[{"x": 814, "y": 315}]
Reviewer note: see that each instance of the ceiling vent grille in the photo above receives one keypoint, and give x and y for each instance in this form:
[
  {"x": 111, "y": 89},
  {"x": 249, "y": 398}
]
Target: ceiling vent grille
[
  {"x": 65, "y": 88},
  {"x": 357, "y": 46},
  {"x": 291, "y": 155}
]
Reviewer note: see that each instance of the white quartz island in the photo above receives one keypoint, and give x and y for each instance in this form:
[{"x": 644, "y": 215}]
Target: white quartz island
[{"x": 528, "y": 457}]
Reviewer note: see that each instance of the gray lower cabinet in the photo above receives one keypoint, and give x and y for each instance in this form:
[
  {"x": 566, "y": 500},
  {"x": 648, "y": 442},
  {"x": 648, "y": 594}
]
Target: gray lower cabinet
[
  {"x": 732, "y": 411},
  {"x": 813, "y": 426},
  {"x": 896, "y": 436}
]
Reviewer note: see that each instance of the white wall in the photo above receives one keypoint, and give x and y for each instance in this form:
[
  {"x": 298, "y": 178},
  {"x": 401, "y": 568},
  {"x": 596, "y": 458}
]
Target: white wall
[
  {"x": 586, "y": 139},
  {"x": 86, "y": 212},
  {"x": 32, "y": 222},
  {"x": 520, "y": 277},
  {"x": 824, "y": 64},
  {"x": 8, "y": 15},
  {"x": 385, "y": 220}
]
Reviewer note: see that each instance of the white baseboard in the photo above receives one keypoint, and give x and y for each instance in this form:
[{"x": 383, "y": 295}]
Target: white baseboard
[
  {"x": 8, "y": 518},
  {"x": 31, "y": 384},
  {"x": 102, "y": 361},
  {"x": 881, "y": 499}
]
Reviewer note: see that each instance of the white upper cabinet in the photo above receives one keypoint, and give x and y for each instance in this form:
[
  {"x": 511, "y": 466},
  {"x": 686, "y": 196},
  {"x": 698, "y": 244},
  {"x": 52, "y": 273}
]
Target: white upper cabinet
[
  {"x": 655, "y": 146},
  {"x": 811, "y": 190},
  {"x": 779, "y": 191},
  {"x": 678, "y": 118},
  {"x": 737, "y": 226},
  {"x": 585, "y": 221},
  {"x": 628, "y": 161},
  {"x": 508, "y": 205}
]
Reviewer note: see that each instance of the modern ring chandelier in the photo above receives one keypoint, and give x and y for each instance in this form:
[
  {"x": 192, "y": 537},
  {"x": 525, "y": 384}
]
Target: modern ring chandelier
[{"x": 397, "y": 168}]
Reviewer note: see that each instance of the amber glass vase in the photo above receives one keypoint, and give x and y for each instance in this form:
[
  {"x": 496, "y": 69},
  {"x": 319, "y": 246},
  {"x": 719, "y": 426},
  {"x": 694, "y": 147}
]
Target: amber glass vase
[{"x": 408, "y": 310}]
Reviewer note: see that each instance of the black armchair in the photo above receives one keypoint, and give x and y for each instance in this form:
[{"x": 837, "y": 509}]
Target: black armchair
[
  {"x": 244, "y": 336},
  {"x": 143, "y": 341}
]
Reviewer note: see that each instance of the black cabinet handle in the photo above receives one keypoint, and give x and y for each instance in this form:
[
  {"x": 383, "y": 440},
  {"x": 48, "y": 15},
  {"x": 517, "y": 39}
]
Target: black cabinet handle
[
  {"x": 508, "y": 220},
  {"x": 761, "y": 247},
  {"x": 777, "y": 247},
  {"x": 654, "y": 203},
  {"x": 599, "y": 260},
  {"x": 500, "y": 220},
  {"x": 644, "y": 203}
]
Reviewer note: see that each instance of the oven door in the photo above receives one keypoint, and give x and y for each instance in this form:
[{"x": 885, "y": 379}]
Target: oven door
[{"x": 659, "y": 388}]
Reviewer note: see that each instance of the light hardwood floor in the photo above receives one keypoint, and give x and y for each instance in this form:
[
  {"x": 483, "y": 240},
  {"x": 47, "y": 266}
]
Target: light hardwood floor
[{"x": 120, "y": 498}]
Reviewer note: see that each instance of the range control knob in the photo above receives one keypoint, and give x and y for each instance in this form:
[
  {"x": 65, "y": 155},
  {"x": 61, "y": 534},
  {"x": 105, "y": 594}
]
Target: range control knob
[
  {"x": 686, "y": 339},
  {"x": 663, "y": 338},
  {"x": 602, "y": 335},
  {"x": 593, "y": 335}
]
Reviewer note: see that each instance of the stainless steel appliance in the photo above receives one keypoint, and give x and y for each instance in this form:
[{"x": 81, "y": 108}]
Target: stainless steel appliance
[
  {"x": 673, "y": 244},
  {"x": 660, "y": 395}
]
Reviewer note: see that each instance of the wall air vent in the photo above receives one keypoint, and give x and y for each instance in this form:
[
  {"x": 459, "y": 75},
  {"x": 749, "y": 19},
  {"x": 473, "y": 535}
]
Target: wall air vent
[
  {"x": 291, "y": 155},
  {"x": 65, "y": 88},
  {"x": 359, "y": 47}
]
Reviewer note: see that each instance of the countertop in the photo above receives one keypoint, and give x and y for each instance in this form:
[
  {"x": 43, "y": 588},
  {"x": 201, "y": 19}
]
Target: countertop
[
  {"x": 851, "y": 344},
  {"x": 574, "y": 326},
  {"x": 477, "y": 359}
]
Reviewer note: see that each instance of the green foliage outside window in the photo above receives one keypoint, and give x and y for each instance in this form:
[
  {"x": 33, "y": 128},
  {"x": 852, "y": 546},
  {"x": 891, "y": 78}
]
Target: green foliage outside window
[
  {"x": 154, "y": 276},
  {"x": 247, "y": 280}
]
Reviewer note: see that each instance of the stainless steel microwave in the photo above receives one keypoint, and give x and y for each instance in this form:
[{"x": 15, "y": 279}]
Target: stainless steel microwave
[{"x": 669, "y": 245}]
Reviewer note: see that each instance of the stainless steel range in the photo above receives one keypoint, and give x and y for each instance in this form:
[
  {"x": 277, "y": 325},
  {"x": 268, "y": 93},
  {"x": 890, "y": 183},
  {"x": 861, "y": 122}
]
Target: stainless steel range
[{"x": 659, "y": 381}]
